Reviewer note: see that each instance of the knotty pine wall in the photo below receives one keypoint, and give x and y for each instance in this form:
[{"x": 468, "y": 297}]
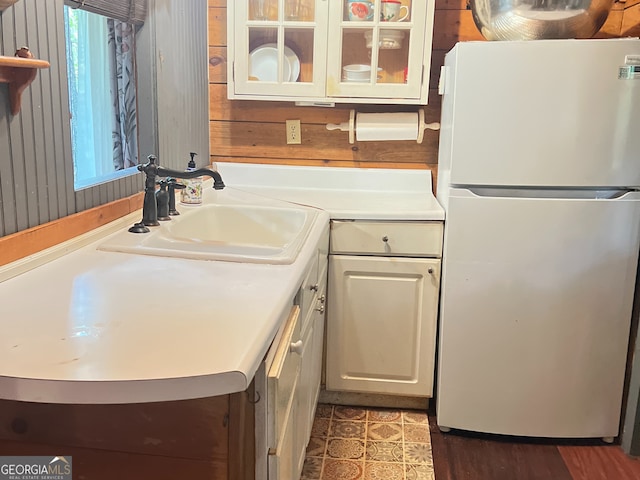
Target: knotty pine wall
[{"x": 254, "y": 131}]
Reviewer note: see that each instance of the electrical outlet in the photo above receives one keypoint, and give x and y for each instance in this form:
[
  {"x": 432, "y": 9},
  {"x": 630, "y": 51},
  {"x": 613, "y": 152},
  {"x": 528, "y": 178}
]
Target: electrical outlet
[{"x": 294, "y": 136}]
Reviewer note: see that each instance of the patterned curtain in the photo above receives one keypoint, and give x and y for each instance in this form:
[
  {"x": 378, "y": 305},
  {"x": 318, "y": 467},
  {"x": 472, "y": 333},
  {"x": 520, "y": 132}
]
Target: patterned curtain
[{"x": 123, "y": 92}]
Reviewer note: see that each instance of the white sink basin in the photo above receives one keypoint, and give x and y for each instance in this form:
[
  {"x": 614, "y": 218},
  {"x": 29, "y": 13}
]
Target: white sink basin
[{"x": 235, "y": 233}]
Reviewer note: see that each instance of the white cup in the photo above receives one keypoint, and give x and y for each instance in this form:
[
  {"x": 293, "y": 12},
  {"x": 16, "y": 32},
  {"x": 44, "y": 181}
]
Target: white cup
[{"x": 390, "y": 11}]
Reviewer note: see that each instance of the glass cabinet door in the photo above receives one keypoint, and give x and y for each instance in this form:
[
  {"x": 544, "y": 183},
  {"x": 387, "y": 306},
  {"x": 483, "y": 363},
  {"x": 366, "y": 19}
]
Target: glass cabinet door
[
  {"x": 280, "y": 47},
  {"x": 379, "y": 48}
]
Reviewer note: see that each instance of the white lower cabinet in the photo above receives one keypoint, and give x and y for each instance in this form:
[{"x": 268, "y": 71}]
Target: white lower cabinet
[
  {"x": 289, "y": 379},
  {"x": 381, "y": 320}
]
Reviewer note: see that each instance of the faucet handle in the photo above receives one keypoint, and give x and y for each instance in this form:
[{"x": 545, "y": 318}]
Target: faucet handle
[
  {"x": 162, "y": 200},
  {"x": 173, "y": 185}
]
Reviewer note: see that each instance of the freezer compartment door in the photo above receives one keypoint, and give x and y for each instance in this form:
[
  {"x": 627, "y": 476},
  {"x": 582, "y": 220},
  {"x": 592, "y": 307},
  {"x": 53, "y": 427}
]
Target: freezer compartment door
[
  {"x": 535, "y": 314},
  {"x": 541, "y": 113}
]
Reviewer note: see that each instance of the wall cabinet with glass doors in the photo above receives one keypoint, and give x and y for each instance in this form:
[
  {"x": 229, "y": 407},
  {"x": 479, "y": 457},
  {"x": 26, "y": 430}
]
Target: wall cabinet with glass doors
[{"x": 330, "y": 51}]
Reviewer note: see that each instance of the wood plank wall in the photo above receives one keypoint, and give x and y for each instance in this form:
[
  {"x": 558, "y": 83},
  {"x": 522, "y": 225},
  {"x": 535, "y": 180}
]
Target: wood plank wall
[{"x": 254, "y": 131}]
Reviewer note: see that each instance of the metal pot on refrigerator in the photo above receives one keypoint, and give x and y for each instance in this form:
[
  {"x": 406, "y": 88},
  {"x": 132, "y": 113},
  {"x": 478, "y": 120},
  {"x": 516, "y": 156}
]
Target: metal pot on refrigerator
[{"x": 539, "y": 19}]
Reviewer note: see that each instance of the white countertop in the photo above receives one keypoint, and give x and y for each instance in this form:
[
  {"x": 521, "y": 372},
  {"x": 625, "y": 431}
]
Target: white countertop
[
  {"x": 345, "y": 193},
  {"x": 105, "y": 327}
]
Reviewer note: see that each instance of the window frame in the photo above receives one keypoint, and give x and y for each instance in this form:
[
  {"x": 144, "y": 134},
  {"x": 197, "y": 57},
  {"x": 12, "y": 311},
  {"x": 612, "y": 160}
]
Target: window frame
[{"x": 90, "y": 182}]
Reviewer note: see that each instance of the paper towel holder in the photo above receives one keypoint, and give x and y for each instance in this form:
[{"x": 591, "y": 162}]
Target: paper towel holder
[
  {"x": 422, "y": 126},
  {"x": 350, "y": 126}
]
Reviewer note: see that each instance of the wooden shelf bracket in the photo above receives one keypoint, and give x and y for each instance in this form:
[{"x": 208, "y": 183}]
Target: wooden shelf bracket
[{"x": 19, "y": 72}]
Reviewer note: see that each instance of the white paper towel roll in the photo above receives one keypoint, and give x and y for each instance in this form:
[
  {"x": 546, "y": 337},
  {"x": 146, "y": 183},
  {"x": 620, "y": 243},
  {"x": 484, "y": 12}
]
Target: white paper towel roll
[{"x": 387, "y": 126}]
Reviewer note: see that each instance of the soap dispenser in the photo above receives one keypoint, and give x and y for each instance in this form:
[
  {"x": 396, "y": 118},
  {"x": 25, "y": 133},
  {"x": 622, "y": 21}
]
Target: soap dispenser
[{"x": 192, "y": 193}]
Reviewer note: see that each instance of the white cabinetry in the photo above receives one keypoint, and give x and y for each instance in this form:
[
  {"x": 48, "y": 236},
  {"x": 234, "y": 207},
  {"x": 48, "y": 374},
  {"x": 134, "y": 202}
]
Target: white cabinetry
[
  {"x": 312, "y": 344},
  {"x": 289, "y": 378},
  {"x": 383, "y": 299},
  {"x": 297, "y": 50}
]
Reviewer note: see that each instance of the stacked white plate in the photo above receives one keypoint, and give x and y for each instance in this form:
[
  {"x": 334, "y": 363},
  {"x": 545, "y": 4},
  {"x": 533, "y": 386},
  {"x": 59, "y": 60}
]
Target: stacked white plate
[{"x": 263, "y": 64}]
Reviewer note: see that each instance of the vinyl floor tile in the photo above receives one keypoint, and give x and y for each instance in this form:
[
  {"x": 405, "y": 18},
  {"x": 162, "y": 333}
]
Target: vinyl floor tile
[
  {"x": 347, "y": 429},
  {"x": 378, "y": 415},
  {"x": 345, "y": 448},
  {"x": 385, "y": 451},
  {"x": 383, "y": 471},
  {"x": 391, "y": 432},
  {"x": 320, "y": 427},
  {"x": 349, "y": 413},
  {"x": 353, "y": 443},
  {"x": 324, "y": 411},
  {"x": 335, "y": 469},
  {"x": 312, "y": 468},
  {"x": 415, "y": 417},
  {"x": 418, "y": 453},
  {"x": 316, "y": 447},
  {"x": 416, "y": 433}
]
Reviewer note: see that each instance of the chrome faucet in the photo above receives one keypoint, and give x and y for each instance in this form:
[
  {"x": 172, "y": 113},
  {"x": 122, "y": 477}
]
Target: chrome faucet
[{"x": 149, "y": 205}]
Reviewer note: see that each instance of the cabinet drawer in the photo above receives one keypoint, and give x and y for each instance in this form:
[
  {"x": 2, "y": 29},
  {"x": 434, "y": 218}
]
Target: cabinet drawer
[
  {"x": 282, "y": 377},
  {"x": 423, "y": 239}
]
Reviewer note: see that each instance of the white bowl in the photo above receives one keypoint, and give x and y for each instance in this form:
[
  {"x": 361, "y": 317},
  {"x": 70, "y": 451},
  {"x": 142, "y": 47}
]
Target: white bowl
[
  {"x": 387, "y": 40},
  {"x": 356, "y": 72}
]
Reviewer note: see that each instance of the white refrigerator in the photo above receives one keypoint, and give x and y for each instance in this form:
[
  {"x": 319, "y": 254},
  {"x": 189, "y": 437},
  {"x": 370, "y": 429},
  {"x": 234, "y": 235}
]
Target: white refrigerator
[{"x": 538, "y": 167}]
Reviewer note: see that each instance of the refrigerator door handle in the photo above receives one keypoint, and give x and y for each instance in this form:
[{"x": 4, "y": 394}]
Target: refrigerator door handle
[
  {"x": 442, "y": 81},
  {"x": 548, "y": 193}
]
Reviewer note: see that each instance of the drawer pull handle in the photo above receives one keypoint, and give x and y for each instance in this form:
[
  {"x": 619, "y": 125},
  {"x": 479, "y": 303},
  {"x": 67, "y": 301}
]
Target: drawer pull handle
[
  {"x": 385, "y": 239},
  {"x": 296, "y": 347}
]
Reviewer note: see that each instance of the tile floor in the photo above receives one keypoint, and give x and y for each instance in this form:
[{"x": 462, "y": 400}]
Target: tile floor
[{"x": 353, "y": 443}]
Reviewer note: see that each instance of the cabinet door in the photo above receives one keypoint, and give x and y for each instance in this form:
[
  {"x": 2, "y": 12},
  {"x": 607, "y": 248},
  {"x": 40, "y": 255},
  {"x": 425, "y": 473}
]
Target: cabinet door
[
  {"x": 379, "y": 55},
  {"x": 282, "y": 384},
  {"x": 381, "y": 324},
  {"x": 305, "y": 390},
  {"x": 278, "y": 48},
  {"x": 308, "y": 388}
]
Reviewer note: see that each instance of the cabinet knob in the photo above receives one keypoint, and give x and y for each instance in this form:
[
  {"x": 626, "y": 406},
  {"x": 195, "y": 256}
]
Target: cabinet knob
[
  {"x": 320, "y": 309},
  {"x": 296, "y": 347},
  {"x": 430, "y": 270},
  {"x": 385, "y": 239},
  {"x": 313, "y": 288},
  {"x": 323, "y": 298}
]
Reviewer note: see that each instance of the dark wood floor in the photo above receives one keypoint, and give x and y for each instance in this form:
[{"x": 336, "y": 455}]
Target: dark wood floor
[{"x": 468, "y": 456}]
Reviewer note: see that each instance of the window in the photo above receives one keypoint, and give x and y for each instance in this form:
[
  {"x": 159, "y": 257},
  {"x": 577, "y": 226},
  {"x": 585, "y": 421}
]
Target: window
[{"x": 102, "y": 96}]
